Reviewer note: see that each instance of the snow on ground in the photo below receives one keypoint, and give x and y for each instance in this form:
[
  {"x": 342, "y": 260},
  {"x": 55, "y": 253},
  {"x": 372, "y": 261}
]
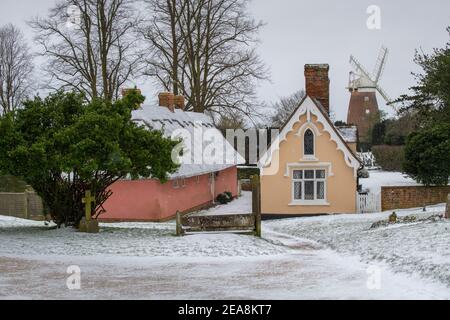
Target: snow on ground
[
  {"x": 125, "y": 240},
  {"x": 303, "y": 258},
  {"x": 420, "y": 248},
  {"x": 304, "y": 274},
  {"x": 242, "y": 204},
  {"x": 379, "y": 178}
]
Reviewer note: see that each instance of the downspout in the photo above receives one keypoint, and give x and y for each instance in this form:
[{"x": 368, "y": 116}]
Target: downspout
[{"x": 213, "y": 187}]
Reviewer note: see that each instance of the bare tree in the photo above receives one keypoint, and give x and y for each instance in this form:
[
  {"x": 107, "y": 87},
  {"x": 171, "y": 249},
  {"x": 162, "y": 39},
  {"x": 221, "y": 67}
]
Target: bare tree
[
  {"x": 232, "y": 121},
  {"x": 284, "y": 108},
  {"x": 205, "y": 50},
  {"x": 16, "y": 66},
  {"x": 165, "y": 43},
  {"x": 91, "y": 45}
]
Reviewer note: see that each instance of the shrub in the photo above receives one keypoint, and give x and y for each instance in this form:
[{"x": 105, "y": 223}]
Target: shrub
[
  {"x": 364, "y": 173},
  {"x": 9, "y": 183},
  {"x": 427, "y": 155},
  {"x": 224, "y": 197},
  {"x": 246, "y": 173},
  {"x": 389, "y": 158}
]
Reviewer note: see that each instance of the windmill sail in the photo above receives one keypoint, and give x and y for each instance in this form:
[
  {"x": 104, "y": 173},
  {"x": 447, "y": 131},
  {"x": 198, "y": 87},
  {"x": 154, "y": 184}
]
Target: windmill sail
[
  {"x": 359, "y": 67},
  {"x": 381, "y": 63},
  {"x": 363, "y": 107}
]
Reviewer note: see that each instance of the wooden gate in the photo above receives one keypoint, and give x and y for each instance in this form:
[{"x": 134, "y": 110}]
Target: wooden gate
[{"x": 368, "y": 202}]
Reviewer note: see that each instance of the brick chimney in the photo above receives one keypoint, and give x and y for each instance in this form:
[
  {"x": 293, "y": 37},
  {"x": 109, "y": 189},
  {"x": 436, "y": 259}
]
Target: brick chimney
[
  {"x": 166, "y": 99},
  {"x": 179, "y": 102},
  {"x": 318, "y": 83},
  {"x": 125, "y": 91}
]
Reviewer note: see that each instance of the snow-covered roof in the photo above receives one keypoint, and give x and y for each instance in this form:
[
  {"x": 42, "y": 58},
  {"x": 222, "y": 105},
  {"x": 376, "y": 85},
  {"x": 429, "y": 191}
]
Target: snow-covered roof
[
  {"x": 349, "y": 133},
  {"x": 197, "y": 130}
]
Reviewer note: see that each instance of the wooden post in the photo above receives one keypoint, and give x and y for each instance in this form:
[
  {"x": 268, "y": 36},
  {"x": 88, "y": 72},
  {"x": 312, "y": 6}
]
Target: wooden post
[
  {"x": 26, "y": 213},
  {"x": 179, "y": 225},
  {"x": 447, "y": 208},
  {"x": 239, "y": 188},
  {"x": 256, "y": 204}
]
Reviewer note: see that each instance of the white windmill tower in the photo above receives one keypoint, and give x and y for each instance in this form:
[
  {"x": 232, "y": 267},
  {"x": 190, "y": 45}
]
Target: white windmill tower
[{"x": 363, "y": 107}]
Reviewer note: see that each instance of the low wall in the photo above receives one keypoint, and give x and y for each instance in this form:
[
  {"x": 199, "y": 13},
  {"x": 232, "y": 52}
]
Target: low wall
[
  {"x": 26, "y": 205},
  {"x": 412, "y": 196}
]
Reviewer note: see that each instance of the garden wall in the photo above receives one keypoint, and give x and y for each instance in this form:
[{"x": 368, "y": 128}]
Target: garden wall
[
  {"x": 412, "y": 196},
  {"x": 26, "y": 205}
]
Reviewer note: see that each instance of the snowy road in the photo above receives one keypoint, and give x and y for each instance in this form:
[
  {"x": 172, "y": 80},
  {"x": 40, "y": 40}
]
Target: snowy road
[
  {"x": 307, "y": 258},
  {"x": 306, "y": 274}
]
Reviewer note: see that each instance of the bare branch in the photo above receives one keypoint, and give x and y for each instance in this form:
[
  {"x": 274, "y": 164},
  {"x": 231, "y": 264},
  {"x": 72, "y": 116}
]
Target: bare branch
[
  {"x": 205, "y": 50},
  {"x": 16, "y": 66},
  {"x": 98, "y": 54}
]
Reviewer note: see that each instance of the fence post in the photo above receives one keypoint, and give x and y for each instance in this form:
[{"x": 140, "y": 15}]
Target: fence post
[
  {"x": 447, "y": 208},
  {"x": 239, "y": 188},
  {"x": 256, "y": 204},
  {"x": 179, "y": 226},
  {"x": 25, "y": 195}
]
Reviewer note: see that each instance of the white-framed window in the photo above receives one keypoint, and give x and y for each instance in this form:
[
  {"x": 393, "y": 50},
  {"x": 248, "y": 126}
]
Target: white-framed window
[
  {"x": 309, "y": 185},
  {"x": 308, "y": 144}
]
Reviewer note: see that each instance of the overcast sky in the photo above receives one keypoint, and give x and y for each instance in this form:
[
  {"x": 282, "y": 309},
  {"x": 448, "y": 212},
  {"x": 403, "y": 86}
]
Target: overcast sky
[{"x": 320, "y": 31}]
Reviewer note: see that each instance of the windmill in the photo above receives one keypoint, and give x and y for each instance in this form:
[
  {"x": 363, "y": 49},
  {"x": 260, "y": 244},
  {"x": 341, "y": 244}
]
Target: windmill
[{"x": 363, "y": 107}]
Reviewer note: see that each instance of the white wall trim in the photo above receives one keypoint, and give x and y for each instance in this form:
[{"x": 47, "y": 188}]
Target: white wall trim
[
  {"x": 308, "y": 203},
  {"x": 308, "y": 125},
  {"x": 300, "y": 165}
]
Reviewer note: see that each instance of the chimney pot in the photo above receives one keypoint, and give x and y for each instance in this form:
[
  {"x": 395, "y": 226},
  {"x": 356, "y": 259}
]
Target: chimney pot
[
  {"x": 318, "y": 84},
  {"x": 166, "y": 99}
]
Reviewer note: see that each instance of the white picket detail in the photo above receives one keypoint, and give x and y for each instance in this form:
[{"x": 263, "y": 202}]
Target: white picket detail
[{"x": 368, "y": 202}]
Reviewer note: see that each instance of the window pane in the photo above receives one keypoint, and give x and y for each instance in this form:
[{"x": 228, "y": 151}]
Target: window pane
[
  {"x": 308, "y": 142},
  {"x": 309, "y": 190},
  {"x": 320, "y": 174},
  {"x": 309, "y": 174},
  {"x": 298, "y": 174},
  {"x": 297, "y": 190},
  {"x": 320, "y": 190}
]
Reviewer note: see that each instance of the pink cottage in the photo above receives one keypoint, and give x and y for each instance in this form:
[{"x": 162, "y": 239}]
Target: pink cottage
[{"x": 192, "y": 187}]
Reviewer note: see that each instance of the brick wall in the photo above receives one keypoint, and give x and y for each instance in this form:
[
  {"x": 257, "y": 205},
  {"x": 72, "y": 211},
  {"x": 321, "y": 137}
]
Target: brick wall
[{"x": 412, "y": 196}]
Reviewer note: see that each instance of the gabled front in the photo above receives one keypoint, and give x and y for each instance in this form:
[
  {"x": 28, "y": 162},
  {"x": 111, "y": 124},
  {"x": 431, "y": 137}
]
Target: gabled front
[{"x": 309, "y": 169}]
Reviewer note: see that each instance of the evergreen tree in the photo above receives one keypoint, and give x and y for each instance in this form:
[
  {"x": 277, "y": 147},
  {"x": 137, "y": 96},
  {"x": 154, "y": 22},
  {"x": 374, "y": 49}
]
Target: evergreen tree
[
  {"x": 63, "y": 146},
  {"x": 427, "y": 149}
]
